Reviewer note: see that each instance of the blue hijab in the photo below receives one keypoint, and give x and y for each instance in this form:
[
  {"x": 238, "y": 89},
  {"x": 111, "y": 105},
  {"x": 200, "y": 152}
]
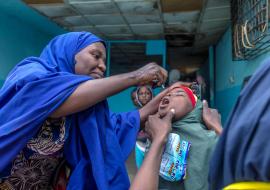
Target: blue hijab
[
  {"x": 243, "y": 150},
  {"x": 95, "y": 149}
]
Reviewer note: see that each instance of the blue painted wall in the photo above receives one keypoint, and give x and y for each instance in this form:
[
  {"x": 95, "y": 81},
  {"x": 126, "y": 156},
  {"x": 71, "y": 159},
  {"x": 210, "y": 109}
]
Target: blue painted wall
[
  {"x": 121, "y": 102},
  {"x": 23, "y": 33},
  {"x": 229, "y": 74}
]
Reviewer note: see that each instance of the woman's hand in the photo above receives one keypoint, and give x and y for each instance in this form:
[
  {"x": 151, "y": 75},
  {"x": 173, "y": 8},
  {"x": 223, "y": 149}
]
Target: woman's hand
[
  {"x": 211, "y": 118},
  {"x": 151, "y": 74},
  {"x": 92, "y": 92},
  {"x": 158, "y": 129}
]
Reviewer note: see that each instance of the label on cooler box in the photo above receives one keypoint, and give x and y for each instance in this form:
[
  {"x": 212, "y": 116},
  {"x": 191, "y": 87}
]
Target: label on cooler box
[{"x": 174, "y": 159}]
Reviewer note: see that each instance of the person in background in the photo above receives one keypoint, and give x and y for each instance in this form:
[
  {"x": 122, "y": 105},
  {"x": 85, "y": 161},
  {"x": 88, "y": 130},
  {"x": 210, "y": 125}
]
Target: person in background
[
  {"x": 202, "y": 84},
  {"x": 144, "y": 95},
  {"x": 174, "y": 76}
]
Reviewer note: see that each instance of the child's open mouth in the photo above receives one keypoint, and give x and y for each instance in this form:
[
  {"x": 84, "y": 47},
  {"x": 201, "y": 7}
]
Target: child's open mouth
[{"x": 164, "y": 103}]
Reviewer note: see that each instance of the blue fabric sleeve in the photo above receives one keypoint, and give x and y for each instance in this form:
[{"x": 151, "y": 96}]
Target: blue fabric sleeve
[
  {"x": 26, "y": 100},
  {"x": 126, "y": 126}
]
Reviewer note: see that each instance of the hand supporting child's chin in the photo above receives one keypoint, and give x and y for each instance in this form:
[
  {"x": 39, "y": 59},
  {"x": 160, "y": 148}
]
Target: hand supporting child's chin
[{"x": 163, "y": 113}]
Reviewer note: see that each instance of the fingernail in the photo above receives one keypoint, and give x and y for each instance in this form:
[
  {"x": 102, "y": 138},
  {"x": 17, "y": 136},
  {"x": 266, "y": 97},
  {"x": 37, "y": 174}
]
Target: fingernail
[{"x": 173, "y": 111}]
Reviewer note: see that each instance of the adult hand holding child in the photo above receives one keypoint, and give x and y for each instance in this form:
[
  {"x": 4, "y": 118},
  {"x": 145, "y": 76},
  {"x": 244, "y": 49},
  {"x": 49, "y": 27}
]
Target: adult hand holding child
[{"x": 158, "y": 129}]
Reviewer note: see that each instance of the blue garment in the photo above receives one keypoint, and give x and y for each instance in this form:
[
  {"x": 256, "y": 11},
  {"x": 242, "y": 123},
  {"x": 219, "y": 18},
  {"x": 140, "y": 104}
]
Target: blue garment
[
  {"x": 36, "y": 87},
  {"x": 97, "y": 154},
  {"x": 243, "y": 150}
]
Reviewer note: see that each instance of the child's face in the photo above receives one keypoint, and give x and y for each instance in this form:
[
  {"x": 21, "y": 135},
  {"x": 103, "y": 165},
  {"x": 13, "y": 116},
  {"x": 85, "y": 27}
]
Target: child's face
[
  {"x": 178, "y": 100},
  {"x": 144, "y": 95}
]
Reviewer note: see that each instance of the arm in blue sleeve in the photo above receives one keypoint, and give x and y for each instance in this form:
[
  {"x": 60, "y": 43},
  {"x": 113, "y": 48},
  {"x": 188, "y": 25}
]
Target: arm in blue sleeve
[{"x": 126, "y": 126}]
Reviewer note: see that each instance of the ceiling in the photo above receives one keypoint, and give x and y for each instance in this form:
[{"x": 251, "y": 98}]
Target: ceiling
[{"x": 189, "y": 26}]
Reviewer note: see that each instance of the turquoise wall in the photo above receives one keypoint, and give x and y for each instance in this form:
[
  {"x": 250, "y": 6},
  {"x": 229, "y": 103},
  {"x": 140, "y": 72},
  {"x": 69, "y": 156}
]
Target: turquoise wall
[
  {"x": 121, "y": 102},
  {"x": 23, "y": 33},
  {"x": 229, "y": 74}
]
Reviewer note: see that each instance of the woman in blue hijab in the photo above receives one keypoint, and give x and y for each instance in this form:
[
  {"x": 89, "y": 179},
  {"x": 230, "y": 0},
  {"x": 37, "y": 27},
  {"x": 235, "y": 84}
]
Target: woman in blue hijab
[
  {"x": 242, "y": 155},
  {"x": 54, "y": 106}
]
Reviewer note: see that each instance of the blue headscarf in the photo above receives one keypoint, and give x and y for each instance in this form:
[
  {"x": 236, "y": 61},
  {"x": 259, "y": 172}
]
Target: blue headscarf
[
  {"x": 243, "y": 150},
  {"x": 60, "y": 52},
  {"x": 36, "y": 87}
]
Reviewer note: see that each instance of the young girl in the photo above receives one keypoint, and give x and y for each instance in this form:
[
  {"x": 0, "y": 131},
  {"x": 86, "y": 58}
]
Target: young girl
[{"x": 140, "y": 97}]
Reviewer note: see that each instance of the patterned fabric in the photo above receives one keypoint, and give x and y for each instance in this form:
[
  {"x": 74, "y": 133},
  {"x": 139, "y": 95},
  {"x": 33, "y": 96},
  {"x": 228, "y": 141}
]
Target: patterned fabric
[
  {"x": 45, "y": 144},
  {"x": 35, "y": 165}
]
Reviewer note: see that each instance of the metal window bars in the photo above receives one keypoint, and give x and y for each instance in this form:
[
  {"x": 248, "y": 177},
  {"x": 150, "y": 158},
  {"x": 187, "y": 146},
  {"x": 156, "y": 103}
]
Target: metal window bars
[{"x": 250, "y": 28}]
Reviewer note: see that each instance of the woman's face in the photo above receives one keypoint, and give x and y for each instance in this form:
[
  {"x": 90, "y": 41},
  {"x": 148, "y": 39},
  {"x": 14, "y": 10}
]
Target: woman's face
[
  {"x": 176, "y": 99},
  {"x": 144, "y": 95},
  {"x": 91, "y": 60}
]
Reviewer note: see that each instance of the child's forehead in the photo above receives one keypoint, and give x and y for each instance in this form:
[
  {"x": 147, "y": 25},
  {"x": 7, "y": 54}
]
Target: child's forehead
[
  {"x": 144, "y": 88},
  {"x": 177, "y": 89}
]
